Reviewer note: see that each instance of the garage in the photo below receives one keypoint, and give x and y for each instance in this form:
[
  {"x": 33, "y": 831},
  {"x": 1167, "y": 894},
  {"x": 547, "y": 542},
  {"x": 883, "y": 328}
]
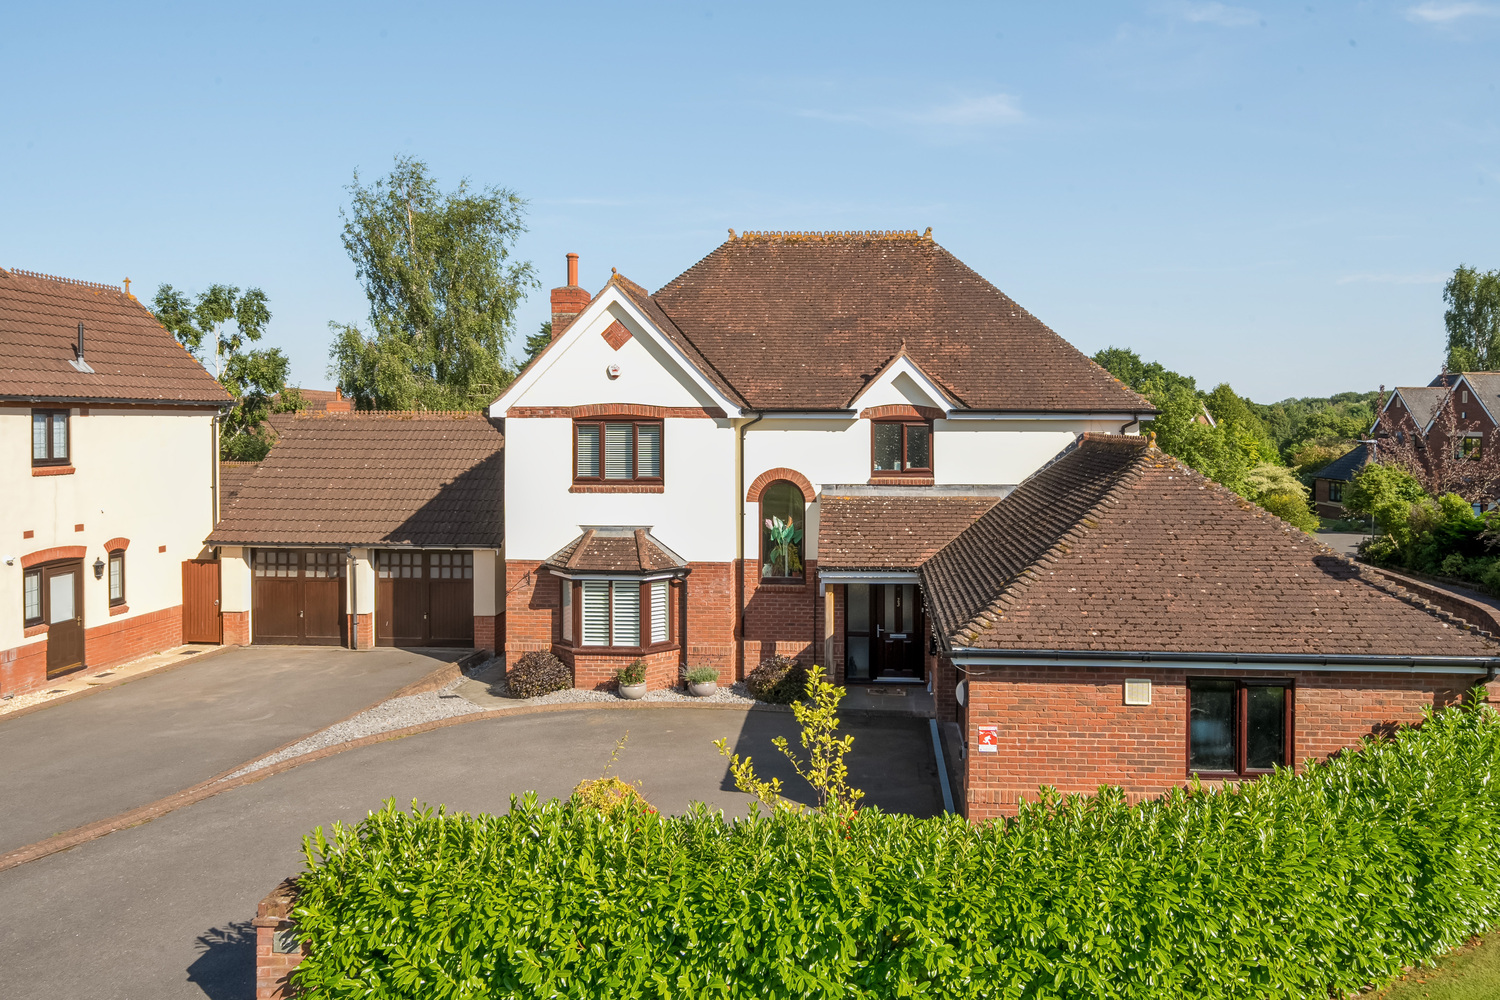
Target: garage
[
  {"x": 424, "y": 598},
  {"x": 298, "y": 597}
]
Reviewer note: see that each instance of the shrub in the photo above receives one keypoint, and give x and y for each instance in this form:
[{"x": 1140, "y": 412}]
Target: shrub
[
  {"x": 537, "y": 673},
  {"x": 608, "y": 793},
  {"x": 779, "y": 680},
  {"x": 1311, "y": 885},
  {"x": 632, "y": 673},
  {"x": 1292, "y": 509},
  {"x": 1453, "y": 565},
  {"x": 702, "y": 675}
]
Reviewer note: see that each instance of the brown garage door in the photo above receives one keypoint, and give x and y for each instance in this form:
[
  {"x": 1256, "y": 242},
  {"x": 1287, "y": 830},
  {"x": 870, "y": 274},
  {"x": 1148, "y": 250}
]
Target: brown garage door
[
  {"x": 424, "y": 598},
  {"x": 299, "y": 598}
]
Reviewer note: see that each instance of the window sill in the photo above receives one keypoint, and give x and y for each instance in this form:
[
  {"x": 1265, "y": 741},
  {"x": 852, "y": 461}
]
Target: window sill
[
  {"x": 620, "y": 488},
  {"x": 118, "y": 609},
  {"x": 900, "y": 480},
  {"x": 32, "y": 630},
  {"x": 661, "y": 647},
  {"x": 52, "y": 470}
]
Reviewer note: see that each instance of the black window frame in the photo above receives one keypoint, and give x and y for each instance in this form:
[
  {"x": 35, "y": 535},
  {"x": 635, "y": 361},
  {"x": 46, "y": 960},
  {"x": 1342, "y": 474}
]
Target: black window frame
[
  {"x": 52, "y": 416},
  {"x": 1335, "y": 491},
  {"x": 1241, "y": 726},
  {"x": 115, "y": 554},
  {"x": 635, "y": 478},
  {"x": 41, "y": 602},
  {"x": 906, "y": 470}
]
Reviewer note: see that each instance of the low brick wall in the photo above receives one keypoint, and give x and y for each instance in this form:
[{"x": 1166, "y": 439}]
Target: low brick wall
[
  {"x": 277, "y": 952},
  {"x": 596, "y": 671},
  {"x": 236, "y": 626},
  {"x": 1471, "y": 611},
  {"x": 109, "y": 644}
]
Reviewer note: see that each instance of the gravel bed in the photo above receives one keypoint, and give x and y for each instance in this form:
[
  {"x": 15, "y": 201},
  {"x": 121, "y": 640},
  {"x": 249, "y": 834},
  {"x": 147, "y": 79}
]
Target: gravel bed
[
  {"x": 735, "y": 694},
  {"x": 398, "y": 713}
]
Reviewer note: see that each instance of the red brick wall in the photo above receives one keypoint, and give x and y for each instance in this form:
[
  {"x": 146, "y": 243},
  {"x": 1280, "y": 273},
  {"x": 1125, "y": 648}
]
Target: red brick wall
[
  {"x": 532, "y": 606},
  {"x": 273, "y": 969},
  {"x": 709, "y": 619},
  {"x": 1069, "y": 727},
  {"x": 486, "y": 628},
  {"x": 110, "y": 644},
  {"x": 596, "y": 671},
  {"x": 236, "y": 626},
  {"x": 781, "y": 619}
]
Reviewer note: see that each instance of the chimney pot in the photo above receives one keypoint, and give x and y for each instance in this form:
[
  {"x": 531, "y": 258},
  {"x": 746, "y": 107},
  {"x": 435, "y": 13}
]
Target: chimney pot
[
  {"x": 573, "y": 270},
  {"x": 569, "y": 300}
]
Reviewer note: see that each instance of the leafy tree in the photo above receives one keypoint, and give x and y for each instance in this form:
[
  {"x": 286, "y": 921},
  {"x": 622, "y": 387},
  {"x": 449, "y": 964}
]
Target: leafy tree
[
  {"x": 1127, "y": 366},
  {"x": 1278, "y": 490},
  {"x": 255, "y": 379},
  {"x": 1385, "y": 492},
  {"x": 443, "y": 291},
  {"x": 538, "y": 341},
  {"x": 1473, "y": 320}
]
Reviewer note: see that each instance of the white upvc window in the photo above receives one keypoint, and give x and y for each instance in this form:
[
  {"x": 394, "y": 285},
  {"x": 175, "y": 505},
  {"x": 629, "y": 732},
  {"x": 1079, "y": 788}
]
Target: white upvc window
[
  {"x": 611, "y": 613},
  {"x": 659, "y": 630},
  {"x": 567, "y": 610}
]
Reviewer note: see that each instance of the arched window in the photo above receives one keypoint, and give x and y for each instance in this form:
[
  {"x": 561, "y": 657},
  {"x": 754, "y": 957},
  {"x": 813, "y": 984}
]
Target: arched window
[{"x": 782, "y": 511}]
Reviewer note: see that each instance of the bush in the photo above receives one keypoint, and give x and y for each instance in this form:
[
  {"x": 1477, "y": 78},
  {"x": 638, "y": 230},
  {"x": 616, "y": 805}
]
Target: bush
[
  {"x": 702, "y": 675},
  {"x": 632, "y": 673},
  {"x": 779, "y": 680},
  {"x": 537, "y": 673},
  {"x": 1312, "y": 885},
  {"x": 1292, "y": 509}
]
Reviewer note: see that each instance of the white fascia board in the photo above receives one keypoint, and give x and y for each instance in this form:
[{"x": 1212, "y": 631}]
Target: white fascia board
[
  {"x": 966, "y": 657},
  {"x": 867, "y": 576},
  {"x": 1004, "y": 415},
  {"x": 612, "y": 296},
  {"x": 904, "y": 364}
]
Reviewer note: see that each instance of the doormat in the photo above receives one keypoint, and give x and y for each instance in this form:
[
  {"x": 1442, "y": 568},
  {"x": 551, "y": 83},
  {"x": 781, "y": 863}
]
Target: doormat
[{"x": 889, "y": 692}]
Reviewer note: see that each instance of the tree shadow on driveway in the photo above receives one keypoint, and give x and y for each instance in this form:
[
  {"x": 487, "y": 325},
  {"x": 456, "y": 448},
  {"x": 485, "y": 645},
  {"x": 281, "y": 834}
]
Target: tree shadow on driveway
[{"x": 225, "y": 967}]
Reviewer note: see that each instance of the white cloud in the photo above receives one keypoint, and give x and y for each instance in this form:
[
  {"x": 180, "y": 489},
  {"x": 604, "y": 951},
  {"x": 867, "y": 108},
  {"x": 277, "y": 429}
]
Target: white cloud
[
  {"x": 1393, "y": 279},
  {"x": 984, "y": 111},
  {"x": 1221, "y": 14},
  {"x": 1434, "y": 12}
]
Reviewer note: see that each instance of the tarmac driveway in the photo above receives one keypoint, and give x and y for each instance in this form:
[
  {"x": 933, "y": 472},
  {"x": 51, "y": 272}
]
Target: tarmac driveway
[
  {"x": 127, "y": 745},
  {"x": 163, "y": 910}
]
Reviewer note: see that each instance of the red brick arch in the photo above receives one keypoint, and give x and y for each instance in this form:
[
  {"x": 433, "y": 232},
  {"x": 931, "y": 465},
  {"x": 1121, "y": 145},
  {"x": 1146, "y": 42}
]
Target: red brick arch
[
  {"x": 53, "y": 554},
  {"x": 116, "y": 544},
  {"x": 770, "y": 476}
]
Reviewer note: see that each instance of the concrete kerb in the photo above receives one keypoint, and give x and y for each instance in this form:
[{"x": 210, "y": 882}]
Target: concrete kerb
[
  {"x": 110, "y": 684},
  {"x": 69, "y": 839}
]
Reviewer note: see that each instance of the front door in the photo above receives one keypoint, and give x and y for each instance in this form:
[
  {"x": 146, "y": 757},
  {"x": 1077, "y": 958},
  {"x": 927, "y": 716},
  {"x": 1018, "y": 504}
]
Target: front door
[
  {"x": 898, "y": 632},
  {"x": 62, "y": 587}
]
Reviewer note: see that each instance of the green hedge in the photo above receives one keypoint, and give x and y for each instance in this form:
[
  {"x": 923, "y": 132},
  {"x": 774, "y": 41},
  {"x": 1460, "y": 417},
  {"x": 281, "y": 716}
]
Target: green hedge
[{"x": 1291, "y": 886}]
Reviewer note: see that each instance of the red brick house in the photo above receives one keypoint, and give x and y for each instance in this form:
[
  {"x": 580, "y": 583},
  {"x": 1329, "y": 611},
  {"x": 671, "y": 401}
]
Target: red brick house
[
  {"x": 1329, "y": 481},
  {"x": 1120, "y": 619}
]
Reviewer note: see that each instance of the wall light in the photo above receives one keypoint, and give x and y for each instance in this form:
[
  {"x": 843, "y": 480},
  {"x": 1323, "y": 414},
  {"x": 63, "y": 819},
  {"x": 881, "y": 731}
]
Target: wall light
[{"x": 98, "y": 569}]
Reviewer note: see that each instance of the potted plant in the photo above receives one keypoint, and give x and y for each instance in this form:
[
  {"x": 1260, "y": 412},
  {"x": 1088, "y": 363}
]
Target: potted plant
[
  {"x": 632, "y": 680},
  {"x": 702, "y": 681}
]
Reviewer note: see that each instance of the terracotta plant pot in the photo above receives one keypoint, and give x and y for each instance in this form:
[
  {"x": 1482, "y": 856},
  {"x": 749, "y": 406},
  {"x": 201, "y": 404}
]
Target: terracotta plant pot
[
  {"x": 633, "y": 692},
  {"x": 703, "y": 690}
]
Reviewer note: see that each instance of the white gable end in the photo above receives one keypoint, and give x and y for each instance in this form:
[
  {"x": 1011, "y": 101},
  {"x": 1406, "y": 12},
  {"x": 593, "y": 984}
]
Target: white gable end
[{"x": 902, "y": 382}]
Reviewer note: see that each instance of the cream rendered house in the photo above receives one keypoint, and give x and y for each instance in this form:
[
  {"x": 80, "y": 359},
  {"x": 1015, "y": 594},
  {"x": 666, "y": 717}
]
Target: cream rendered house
[
  {"x": 108, "y": 456},
  {"x": 674, "y": 460}
]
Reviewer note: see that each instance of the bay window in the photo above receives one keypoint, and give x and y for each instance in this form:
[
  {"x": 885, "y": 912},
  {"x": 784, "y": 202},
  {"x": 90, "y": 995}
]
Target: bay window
[
  {"x": 623, "y": 613},
  {"x": 617, "y": 451},
  {"x": 1238, "y": 728},
  {"x": 900, "y": 448}
]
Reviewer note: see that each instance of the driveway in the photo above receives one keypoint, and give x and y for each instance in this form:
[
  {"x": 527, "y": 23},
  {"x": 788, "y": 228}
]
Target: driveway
[
  {"x": 127, "y": 745},
  {"x": 163, "y": 910},
  {"x": 1341, "y": 541}
]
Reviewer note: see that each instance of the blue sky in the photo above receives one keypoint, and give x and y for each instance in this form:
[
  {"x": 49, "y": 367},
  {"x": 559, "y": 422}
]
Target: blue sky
[{"x": 1265, "y": 194}]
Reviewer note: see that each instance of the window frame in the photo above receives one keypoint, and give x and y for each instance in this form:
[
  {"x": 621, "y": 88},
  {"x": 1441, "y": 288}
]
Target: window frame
[
  {"x": 52, "y": 415},
  {"x": 1470, "y": 448},
  {"x": 798, "y": 579},
  {"x": 1335, "y": 491},
  {"x": 635, "y": 479},
  {"x": 572, "y": 606},
  {"x": 1241, "y": 727},
  {"x": 41, "y": 601},
  {"x": 905, "y": 472},
  {"x": 116, "y": 554}
]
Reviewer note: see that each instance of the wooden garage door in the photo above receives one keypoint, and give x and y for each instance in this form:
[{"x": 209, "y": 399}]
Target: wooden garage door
[
  {"x": 299, "y": 597},
  {"x": 424, "y": 599}
]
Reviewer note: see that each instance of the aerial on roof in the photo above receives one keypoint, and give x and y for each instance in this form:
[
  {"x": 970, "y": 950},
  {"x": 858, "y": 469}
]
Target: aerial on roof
[
  {"x": 616, "y": 549},
  {"x": 1118, "y": 547},
  {"x": 804, "y": 321},
  {"x": 895, "y": 527},
  {"x": 428, "y": 479},
  {"x": 127, "y": 355}
]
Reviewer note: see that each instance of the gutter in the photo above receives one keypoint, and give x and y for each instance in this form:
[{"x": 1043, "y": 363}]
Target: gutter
[{"x": 968, "y": 656}]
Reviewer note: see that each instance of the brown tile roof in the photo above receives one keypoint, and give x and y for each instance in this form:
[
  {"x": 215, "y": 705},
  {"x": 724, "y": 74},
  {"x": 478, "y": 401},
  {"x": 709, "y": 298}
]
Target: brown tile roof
[
  {"x": 426, "y": 479},
  {"x": 1422, "y": 402},
  {"x": 806, "y": 321},
  {"x": 232, "y": 476},
  {"x": 890, "y": 530},
  {"x": 616, "y": 549},
  {"x": 1118, "y": 547},
  {"x": 133, "y": 358}
]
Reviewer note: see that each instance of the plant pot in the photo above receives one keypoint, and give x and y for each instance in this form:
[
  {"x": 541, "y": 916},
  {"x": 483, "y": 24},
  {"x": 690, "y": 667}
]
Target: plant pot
[
  {"x": 703, "y": 690},
  {"x": 633, "y": 692}
]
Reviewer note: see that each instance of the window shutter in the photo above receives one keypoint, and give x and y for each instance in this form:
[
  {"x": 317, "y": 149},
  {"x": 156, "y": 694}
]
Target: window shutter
[
  {"x": 648, "y": 463},
  {"x": 659, "y": 611},
  {"x": 588, "y": 451},
  {"x": 567, "y": 609},
  {"x": 626, "y": 626},
  {"x": 618, "y": 460},
  {"x": 596, "y": 612}
]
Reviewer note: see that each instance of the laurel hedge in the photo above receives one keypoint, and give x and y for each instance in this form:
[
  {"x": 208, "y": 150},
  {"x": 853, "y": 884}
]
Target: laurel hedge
[{"x": 1290, "y": 886}]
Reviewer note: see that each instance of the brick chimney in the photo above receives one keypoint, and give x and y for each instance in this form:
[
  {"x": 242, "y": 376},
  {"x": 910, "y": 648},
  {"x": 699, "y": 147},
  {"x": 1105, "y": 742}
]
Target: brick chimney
[{"x": 569, "y": 300}]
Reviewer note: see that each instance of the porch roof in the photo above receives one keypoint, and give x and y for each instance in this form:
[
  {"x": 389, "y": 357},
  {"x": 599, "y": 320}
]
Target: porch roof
[{"x": 895, "y": 528}]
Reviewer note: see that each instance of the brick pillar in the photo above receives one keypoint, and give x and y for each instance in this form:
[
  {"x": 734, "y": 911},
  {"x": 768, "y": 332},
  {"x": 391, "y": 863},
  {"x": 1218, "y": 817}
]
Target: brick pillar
[
  {"x": 236, "y": 628},
  {"x": 273, "y": 966}
]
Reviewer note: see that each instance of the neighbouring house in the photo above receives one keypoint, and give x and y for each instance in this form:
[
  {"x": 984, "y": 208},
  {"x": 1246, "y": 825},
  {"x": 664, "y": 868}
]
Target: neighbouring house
[
  {"x": 1330, "y": 480},
  {"x": 326, "y": 401},
  {"x": 681, "y": 463},
  {"x": 385, "y": 527},
  {"x": 1120, "y": 619},
  {"x": 109, "y": 431},
  {"x": 1409, "y": 412}
]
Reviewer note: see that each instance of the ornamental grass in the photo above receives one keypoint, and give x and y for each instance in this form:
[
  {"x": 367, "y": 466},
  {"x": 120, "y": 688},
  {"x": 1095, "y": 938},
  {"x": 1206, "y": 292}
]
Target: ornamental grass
[{"x": 1289, "y": 886}]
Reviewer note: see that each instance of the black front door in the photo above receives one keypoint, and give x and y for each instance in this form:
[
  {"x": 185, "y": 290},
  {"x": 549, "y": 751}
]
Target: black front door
[{"x": 883, "y": 631}]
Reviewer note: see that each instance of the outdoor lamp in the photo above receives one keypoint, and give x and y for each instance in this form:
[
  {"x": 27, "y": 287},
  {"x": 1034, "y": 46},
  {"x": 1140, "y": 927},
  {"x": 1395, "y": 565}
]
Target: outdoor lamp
[{"x": 98, "y": 569}]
